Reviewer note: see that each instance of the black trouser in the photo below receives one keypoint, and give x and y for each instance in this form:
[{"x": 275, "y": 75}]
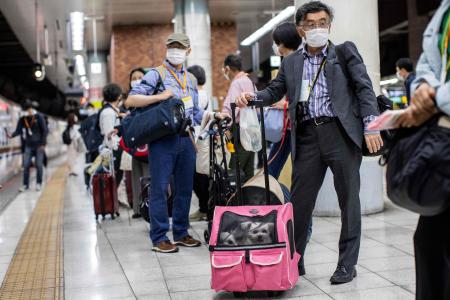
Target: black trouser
[
  {"x": 201, "y": 185},
  {"x": 432, "y": 250},
  {"x": 317, "y": 148}
]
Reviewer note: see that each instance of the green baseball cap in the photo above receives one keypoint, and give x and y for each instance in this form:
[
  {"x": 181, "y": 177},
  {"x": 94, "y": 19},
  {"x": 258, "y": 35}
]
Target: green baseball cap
[{"x": 179, "y": 37}]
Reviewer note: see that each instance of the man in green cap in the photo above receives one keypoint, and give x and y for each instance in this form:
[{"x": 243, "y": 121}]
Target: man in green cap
[{"x": 171, "y": 155}]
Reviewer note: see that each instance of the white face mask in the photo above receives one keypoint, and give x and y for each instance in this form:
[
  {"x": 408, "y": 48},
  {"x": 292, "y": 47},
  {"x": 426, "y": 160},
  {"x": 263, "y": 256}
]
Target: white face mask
[
  {"x": 176, "y": 56},
  {"x": 400, "y": 77},
  {"x": 317, "y": 37},
  {"x": 134, "y": 83},
  {"x": 275, "y": 49}
]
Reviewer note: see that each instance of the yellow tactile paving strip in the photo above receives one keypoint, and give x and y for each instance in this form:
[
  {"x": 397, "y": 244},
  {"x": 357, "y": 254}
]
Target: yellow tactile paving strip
[{"x": 36, "y": 269}]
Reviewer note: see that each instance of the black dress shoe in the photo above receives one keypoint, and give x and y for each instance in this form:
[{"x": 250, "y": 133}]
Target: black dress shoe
[
  {"x": 136, "y": 216},
  {"x": 343, "y": 274}
]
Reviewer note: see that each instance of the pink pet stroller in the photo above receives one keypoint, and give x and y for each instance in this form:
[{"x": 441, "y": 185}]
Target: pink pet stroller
[{"x": 252, "y": 246}]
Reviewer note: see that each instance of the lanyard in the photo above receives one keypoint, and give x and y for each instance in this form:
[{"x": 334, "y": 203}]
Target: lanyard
[
  {"x": 444, "y": 51},
  {"x": 28, "y": 125},
  {"x": 316, "y": 77},
  {"x": 182, "y": 85}
]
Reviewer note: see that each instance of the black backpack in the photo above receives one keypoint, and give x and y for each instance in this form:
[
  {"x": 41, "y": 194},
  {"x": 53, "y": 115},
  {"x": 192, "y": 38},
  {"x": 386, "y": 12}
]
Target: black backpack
[
  {"x": 66, "y": 136},
  {"x": 90, "y": 133}
]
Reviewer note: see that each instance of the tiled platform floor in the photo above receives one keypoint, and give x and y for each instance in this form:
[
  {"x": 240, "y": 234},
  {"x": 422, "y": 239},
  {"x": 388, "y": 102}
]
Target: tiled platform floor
[{"x": 112, "y": 260}]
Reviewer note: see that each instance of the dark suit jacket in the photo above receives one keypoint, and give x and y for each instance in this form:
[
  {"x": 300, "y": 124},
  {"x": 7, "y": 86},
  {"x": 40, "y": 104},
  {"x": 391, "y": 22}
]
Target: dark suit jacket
[{"x": 350, "y": 102}]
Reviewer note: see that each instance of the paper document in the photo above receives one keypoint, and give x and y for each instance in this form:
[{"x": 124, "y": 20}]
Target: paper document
[{"x": 386, "y": 121}]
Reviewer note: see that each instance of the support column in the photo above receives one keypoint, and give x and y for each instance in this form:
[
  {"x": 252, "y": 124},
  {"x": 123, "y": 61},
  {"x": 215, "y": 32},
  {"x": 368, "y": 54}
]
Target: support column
[
  {"x": 362, "y": 29},
  {"x": 416, "y": 26},
  {"x": 195, "y": 22}
]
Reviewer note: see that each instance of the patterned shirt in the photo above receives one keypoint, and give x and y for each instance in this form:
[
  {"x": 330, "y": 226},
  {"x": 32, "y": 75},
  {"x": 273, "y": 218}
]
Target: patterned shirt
[
  {"x": 319, "y": 104},
  {"x": 149, "y": 81}
]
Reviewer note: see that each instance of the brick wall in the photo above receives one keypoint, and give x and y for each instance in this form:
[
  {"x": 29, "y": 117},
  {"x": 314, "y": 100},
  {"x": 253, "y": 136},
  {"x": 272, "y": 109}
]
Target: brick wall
[
  {"x": 223, "y": 42},
  {"x": 136, "y": 46},
  {"x": 144, "y": 46}
]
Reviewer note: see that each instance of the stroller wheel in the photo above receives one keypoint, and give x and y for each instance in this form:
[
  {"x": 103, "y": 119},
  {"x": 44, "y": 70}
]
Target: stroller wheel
[
  {"x": 272, "y": 294},
  {"x": 239, "y": 294},
  {"x": 206, "y": 236}
]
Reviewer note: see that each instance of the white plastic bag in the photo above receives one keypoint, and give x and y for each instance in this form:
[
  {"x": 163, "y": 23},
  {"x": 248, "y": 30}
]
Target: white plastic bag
[
  {"x": 250, "y": 130},
  {"x": 125, "y": 161}
]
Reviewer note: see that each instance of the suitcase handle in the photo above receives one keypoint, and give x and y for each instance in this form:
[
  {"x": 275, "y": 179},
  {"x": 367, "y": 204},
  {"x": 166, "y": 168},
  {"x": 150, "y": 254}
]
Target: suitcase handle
[{"x": 257, "y": 103}]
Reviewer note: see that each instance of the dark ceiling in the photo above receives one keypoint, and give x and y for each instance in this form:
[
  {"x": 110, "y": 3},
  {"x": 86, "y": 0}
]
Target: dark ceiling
[{"x": 16, "y": 75}]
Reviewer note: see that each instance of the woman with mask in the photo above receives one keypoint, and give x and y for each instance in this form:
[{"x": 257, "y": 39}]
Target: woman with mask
[
  {"x": 139, "y": 168},
  {"x": 285, "y": 41}
]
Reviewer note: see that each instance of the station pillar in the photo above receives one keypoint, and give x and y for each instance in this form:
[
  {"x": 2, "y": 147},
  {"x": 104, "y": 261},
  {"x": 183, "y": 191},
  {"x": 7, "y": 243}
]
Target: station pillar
[{"x": 192, "y": 18}]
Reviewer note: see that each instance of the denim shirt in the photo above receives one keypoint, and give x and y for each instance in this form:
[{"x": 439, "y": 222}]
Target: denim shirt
[
  {"x": 150, "y": 80},
  {"x": 430, "y": 63}
]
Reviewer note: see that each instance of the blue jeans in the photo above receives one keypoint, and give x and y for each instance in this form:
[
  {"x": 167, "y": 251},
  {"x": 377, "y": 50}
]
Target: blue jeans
[
  {"x": 38, "y": 152},
  {"x": 278, "y": 163},
  {"x": 170, "y": 155}
]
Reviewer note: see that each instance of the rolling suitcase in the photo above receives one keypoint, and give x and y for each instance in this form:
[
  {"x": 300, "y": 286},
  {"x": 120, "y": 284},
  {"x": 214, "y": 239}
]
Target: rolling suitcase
[
  {"x": 104, "y": 193},
  {"x": 252, "y": 246},
  {"x": 145, "y": 198}
]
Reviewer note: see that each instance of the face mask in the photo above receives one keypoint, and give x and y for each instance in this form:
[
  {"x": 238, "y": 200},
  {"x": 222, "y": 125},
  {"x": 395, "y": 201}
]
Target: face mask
[
  {"x": 176, "y": 56},
  {"x": 135, "y": 83},
  {"x": 227, "y": 76},
  {"x": 400, "y": 77},
  {"x": 317, "y": 37},
  {"x": 276, "y": 50}
]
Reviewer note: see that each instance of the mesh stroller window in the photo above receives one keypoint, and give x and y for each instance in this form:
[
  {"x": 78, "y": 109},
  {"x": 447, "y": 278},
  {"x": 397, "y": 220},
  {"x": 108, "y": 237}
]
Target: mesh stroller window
[{"x": 237, "y": 230}]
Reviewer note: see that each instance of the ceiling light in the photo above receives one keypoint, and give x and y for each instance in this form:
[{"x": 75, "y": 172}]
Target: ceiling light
[
  {"x": 96, "y": 68},
  {"x": 269, "y": 26},
  {"x": 79, "y": 65},
  {"x": 39, "y": 72},
  {"x": 389, "y": 81},
  {"x": 77, "y": 30}
]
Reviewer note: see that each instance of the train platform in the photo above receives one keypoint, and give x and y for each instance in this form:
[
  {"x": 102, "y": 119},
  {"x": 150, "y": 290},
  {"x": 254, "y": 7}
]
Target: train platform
[{"x": 51, "y": 247}]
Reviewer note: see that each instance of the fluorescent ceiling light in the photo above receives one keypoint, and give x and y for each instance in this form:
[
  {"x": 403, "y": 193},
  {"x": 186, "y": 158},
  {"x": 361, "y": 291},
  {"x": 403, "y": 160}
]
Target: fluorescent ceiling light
[
  {"x": 269, "y": 26},
  {"x": 79, "y": 65},
  {"x": 389, "y": 81},
  {"x": 96, "y": 68},
  {"x": 77, "y": 30}
]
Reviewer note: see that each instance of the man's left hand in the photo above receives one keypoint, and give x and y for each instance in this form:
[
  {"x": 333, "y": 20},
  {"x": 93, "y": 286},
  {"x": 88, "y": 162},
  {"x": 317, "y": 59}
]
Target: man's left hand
[
  {"x": 411, "y": 117},
  {"x": 374, "y": 142}
]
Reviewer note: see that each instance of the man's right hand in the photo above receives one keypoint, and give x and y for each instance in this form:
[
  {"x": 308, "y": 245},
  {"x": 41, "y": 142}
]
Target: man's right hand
[
  {"x": 166, "y": 94},
  {"x": 242, "y": 100}
]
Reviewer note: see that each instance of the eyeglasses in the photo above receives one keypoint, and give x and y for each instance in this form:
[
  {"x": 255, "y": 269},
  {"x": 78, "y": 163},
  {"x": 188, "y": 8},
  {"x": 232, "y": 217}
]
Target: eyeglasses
[
  {"x": 311, "y": 25},
  {"x": 176, "y": 45}
]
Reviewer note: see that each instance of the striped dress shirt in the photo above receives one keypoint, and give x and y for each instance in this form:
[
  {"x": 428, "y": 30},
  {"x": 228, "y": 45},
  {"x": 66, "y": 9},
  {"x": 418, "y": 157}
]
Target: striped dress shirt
[{"x": 319, "y": 104}]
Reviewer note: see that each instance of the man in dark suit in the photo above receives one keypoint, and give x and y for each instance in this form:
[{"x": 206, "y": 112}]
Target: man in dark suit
[{"x": 329, "y": 115}]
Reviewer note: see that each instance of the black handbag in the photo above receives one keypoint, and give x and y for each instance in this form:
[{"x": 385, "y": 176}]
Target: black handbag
[
  {"x": 148, "y": 124},
  {"x": 418, "y": 168}
]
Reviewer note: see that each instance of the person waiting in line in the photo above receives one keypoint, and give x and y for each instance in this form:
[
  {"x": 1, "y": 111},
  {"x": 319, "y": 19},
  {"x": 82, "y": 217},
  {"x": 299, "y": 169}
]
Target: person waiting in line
[
  {"x": 109, "y": 118},
  {"x": 286, "y": 40},
  {"x": 240, "y": 83},
  {"x": 201, "y": 181},
  {"x": 72, "y": 151},
  {"x": 405, "y": 72},
  {"x": 431, "y": 95},
  {"x": 325, "y": 133},
  {"x": 33, "y": 131},
  {"x": 139, "y": 168},
  {"x": 174, "y": 154}
]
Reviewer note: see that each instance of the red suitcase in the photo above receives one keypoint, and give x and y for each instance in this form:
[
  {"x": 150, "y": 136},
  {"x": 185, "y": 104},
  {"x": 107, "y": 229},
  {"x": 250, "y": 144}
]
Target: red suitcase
[{"x": 105, "y": 195}]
